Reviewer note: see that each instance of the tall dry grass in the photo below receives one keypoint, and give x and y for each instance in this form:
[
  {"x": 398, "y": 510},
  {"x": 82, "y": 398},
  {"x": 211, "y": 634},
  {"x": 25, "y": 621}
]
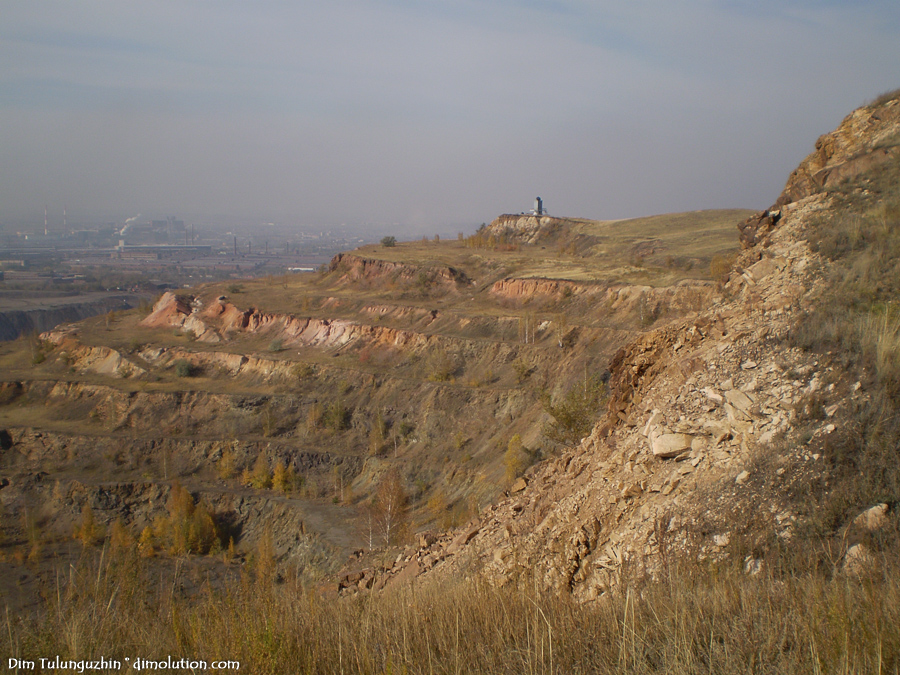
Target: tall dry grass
[{"x": 698, "y": 621}]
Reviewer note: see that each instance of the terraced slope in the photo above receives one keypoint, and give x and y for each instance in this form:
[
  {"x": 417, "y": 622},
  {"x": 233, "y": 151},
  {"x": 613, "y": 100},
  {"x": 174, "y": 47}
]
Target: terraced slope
[{"x": 425, "y": 358}]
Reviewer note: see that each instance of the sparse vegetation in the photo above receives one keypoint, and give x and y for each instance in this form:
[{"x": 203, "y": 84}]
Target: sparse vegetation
[
  {"x": 187, "y": 527},
  {"x": 184, "y": 368},
  {"x": 856, "y": 318},
  {"x": 720, "y": 266},
  {"x": 88, "y": 531},
  {"x": 574, "y": 416},
  {"x": 515, "y": 459}
]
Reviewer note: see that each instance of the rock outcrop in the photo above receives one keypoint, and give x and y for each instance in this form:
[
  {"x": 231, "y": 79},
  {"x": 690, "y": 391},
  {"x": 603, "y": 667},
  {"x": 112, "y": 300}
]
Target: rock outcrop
[
  {"x": 867, "y": 138},
  {"x": 354, "y": 268},
  {"x": 525, "y": 229}
]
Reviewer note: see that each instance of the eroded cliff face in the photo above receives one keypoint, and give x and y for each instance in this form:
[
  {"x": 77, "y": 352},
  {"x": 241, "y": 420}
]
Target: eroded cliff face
[
  {"x": 526, "y": 229},
  {"x": 354, "y": 268},
  {"x": 866, "y": 139},
  {"x": 686, "y": 296},
  {"x": 715, "y": 424}
]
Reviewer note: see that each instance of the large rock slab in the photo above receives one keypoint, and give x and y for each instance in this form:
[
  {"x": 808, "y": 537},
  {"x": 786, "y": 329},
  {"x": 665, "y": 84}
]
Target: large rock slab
[{"x": 670, "y": 445}]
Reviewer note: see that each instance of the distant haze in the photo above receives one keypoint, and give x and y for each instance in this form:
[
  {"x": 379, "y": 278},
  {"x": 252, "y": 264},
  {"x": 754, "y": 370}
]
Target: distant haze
[{"x": 428, "y": 114}]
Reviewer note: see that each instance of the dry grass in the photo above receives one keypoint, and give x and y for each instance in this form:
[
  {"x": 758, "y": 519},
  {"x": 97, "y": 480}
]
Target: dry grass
[
  {"x": 717, "y": 621},
  {"x": 596, "y": 250}
]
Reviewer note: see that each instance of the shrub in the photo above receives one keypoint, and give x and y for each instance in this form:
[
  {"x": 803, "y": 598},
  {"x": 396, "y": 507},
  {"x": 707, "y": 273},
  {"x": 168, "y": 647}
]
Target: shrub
[
  {"x": 514, "y": 459},
  {"x": 574, "y": 416},
  {"x": 720, "y": 267},
  {"x": 337, "y": 416},
  {"x": 184, "y": 368},
  {"x": 389, "y": 241},
  {"x": 522, "y": 370},
  {"x": 440, "y": 366},
  {"x": 303, "y": 371}
]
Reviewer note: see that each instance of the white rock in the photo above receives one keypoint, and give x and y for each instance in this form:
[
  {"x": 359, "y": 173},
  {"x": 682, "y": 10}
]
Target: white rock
[
  {"x": 670, "y": 445},
  {"x": 858, "y": 560},
  {"x": 739, "y": 400},
  {"x": 766, "y": 438},
  {"x": 742, "y": 477},
  {"x": 873, "y": 518},
  {"x": 752, "y": 566},
  {"x": 713, "y": 395},
  {"x": 656, "y": 419}
]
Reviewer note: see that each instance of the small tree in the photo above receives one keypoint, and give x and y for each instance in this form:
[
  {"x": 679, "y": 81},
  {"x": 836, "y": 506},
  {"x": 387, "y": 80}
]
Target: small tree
[
  {"x": 226, "y": 465},
  {"x": 389, "y": 241},
  {"x": 261, "y": 476},
  {"x": 282, "y": 477},
  {"x": 560, "y": 327},
  {"x": 88, "y": 531},
  {"x": 388, "y": 509}
]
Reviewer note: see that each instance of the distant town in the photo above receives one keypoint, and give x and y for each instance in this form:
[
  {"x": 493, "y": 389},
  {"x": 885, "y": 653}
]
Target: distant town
[
  {"x": 58, "y": 272},
  {"x": 154, "y": 254}
]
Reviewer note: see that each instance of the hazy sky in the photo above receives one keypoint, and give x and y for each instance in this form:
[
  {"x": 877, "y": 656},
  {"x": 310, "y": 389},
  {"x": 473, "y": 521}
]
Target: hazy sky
[{"x": 428, "y": 113}]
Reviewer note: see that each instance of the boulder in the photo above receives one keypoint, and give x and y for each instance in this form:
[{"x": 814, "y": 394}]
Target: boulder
[
  {"x": 519, "y": 485},
  {"x": 858, "y": 560},
  {"x": 739, "y": 400},
  {"x": 873, "y": 518},
  {"x": 670, "y": 445},
  {"x": 462, "y": 539}
]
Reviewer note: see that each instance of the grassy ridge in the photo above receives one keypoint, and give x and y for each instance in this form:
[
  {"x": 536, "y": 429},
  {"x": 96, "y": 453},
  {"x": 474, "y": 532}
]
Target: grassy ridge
[{"x": 653, "y": 250}]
